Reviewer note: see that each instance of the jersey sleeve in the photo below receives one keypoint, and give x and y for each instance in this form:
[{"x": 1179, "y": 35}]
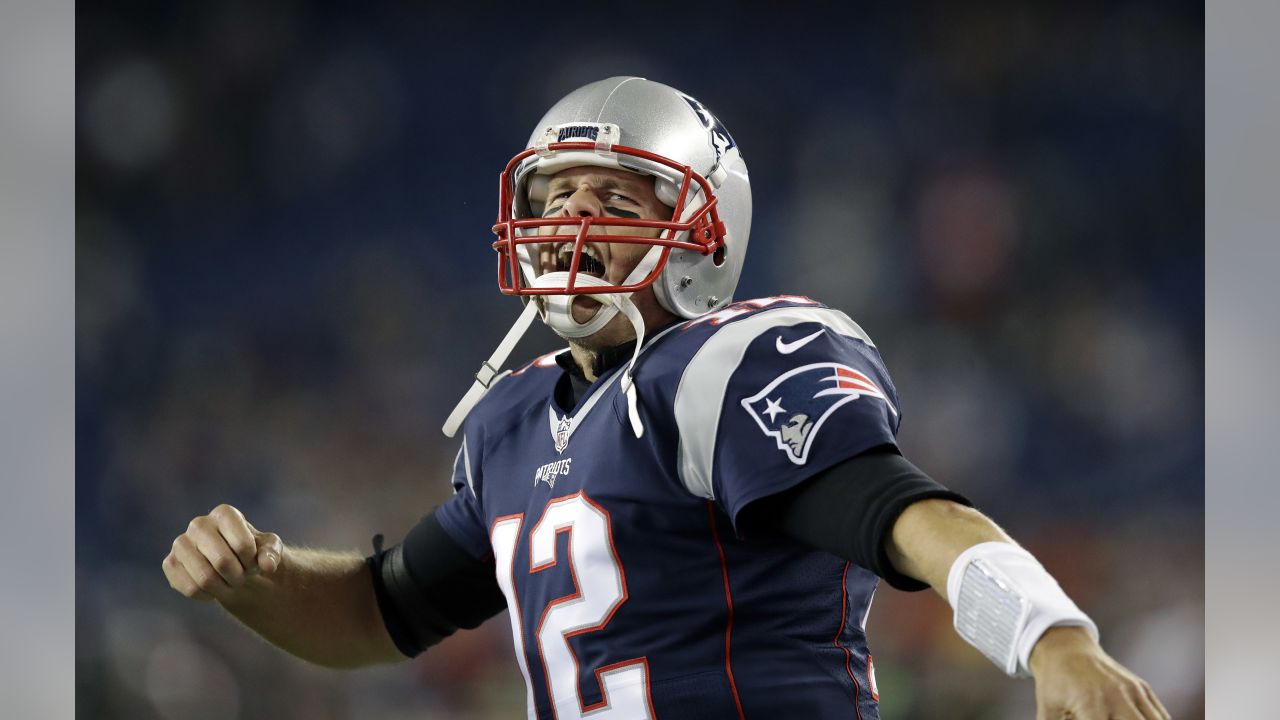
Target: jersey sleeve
[
  {"x": 776, "y": 398},
  {"x": 462, "y": 515}
]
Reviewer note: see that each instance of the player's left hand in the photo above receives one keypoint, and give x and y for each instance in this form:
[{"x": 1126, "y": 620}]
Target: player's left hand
[{"x": 1076, "y": 679}]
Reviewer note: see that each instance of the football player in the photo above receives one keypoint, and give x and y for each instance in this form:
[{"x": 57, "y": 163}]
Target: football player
[{"x": 687, "y": 510}]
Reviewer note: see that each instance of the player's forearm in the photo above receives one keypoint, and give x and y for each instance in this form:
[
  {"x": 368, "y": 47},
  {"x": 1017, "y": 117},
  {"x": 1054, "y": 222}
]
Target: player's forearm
[
  {"x": 940, "y": 542},
  {"x": 929, "y": 535},
  {"x": 319, "y": 606}
]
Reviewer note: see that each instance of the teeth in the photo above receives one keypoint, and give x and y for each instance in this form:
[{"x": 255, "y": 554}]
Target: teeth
[
  {"x": 591, "y": 264},
  {"x": 587, "y": 250}
]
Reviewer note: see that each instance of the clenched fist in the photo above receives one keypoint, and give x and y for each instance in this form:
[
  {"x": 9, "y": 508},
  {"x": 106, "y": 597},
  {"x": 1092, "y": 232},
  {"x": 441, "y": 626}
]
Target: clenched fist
[{"x": 218, "y": 553}]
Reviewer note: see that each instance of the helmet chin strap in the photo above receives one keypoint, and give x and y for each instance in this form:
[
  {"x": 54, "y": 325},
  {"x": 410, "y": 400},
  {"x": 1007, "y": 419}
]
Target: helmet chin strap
[
  {"x": 628, "y": 383},
  {"x": 559, "y": 308},
  {"x": 612, "y": 304},
  {"x": 489, "y": 370},
  {"x": 559, "y": 316}
]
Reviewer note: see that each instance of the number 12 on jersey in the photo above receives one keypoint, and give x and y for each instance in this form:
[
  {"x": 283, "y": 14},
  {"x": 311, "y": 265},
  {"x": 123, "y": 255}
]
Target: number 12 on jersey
[{"x": 600, "y": 588}]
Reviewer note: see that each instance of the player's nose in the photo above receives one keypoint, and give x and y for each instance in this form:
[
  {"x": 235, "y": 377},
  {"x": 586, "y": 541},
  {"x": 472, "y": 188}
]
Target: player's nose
[{"x": 583, "y": 203}]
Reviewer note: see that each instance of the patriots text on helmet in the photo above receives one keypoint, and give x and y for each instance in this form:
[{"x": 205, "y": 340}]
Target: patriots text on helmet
[{"x": 573, "y": 132}]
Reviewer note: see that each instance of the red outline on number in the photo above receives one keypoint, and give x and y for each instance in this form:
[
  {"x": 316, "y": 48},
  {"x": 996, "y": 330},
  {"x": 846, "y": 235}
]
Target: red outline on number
[
  {"x": 848, "y": 656},
  {"x": 728, "y": 601},
  {"x": 577, "y": 593},
  {"x": 648, "y": 686},
  {"x": 871, "y": 680}
]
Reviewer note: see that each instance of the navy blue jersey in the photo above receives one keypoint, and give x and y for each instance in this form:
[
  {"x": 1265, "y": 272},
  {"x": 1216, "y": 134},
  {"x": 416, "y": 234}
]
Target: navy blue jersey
[{"x": 632, "y": 588}]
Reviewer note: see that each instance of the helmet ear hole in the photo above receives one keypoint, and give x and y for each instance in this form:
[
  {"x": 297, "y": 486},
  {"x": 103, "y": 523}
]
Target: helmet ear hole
[{"x": 717, "y": 257}]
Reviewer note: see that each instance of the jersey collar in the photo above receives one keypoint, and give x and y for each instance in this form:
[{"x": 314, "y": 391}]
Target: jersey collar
[{"x": 569, "y": 394}]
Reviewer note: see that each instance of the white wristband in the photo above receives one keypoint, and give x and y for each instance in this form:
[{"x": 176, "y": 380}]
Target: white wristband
[{"x": 1004, "y": 600}]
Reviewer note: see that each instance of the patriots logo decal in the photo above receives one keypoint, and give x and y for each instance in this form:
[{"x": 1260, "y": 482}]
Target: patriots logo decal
[
  {"x": 793, "y": 407},
  {"x": 721, "y": 140}
]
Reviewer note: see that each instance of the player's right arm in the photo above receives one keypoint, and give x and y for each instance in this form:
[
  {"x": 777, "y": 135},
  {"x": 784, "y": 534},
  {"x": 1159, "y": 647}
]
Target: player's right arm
[
  {"x": 338, "y": 609},
  {"x": 315, "y": 604}
]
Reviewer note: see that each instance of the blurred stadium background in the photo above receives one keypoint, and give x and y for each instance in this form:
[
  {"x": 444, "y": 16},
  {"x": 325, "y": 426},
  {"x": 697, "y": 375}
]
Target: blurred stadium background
[{"x": 284, "y": 282}]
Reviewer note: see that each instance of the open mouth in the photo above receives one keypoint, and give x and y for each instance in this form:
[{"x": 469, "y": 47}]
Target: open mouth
[{"x": 591, "y": 263}]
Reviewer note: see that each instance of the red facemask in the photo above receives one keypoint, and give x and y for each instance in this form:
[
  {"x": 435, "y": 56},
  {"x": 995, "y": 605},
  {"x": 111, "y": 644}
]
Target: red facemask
[{"x": 705, "y": 230}]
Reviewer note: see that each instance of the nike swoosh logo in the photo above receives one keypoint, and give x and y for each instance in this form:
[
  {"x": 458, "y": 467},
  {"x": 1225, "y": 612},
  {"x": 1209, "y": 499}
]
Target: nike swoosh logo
[{"x": 787, "y": 348}]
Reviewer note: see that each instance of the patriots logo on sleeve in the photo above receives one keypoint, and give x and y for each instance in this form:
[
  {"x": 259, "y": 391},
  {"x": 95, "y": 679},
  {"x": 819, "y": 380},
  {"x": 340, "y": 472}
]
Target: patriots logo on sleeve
[{"x": 793, "y": 407}]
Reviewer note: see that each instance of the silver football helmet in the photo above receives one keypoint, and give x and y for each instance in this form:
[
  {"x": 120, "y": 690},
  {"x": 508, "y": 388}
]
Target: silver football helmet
[{"x": 639, "y": 126}]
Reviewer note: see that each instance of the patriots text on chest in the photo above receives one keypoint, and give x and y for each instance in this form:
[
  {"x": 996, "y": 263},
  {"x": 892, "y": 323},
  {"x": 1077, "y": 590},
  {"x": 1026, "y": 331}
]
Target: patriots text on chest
[{"x": 552, "y": 470}]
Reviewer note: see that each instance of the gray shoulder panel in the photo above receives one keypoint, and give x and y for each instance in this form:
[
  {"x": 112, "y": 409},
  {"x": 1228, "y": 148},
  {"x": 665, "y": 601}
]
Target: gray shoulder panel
[{"x": 705, "y": 381}]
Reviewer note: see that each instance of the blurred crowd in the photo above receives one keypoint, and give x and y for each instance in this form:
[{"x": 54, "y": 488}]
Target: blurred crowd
[{"x": 284, "y": 282}]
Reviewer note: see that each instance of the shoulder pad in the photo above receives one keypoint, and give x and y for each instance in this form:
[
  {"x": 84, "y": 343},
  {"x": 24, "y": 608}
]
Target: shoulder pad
[{"x": 705, "y": 382}]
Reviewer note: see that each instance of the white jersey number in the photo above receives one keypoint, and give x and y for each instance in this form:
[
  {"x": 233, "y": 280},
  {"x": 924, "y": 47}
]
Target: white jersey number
[{"x": 600, "y": 589}]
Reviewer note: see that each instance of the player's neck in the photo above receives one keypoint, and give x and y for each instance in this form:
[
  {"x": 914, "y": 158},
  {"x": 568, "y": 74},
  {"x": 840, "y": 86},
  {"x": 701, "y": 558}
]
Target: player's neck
[
  {"x": 594, "y": 362},
  {"x": 585, "y": 359},
  {"x": 589, "y": 358}
]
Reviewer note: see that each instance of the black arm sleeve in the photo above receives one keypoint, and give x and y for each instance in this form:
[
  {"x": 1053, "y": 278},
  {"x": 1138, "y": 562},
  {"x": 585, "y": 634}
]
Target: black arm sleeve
[
  {"x": 849, "y": 509},
  {"x": 428, "y": 587}
]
